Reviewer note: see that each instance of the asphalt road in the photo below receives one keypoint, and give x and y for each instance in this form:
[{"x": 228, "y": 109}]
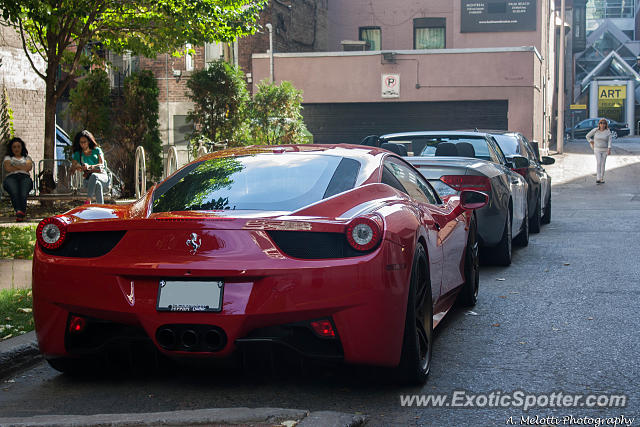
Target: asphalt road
[{"x": 562, "y": 318}]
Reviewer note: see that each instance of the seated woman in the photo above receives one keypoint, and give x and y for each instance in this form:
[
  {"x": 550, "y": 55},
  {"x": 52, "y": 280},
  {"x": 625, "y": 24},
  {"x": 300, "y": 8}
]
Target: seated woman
[
  {"x": 18, "y": 183},
  {"x": 89, "y": 158}
]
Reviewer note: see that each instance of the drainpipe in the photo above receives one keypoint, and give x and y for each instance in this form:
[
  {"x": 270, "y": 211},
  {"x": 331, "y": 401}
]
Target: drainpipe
[
  {"x": 270, "y": 28},
  {"x": 560, "y": 129}
]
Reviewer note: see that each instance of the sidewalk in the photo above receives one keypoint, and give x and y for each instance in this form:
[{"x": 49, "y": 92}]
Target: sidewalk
[
  {"x": 578, "y": 164},
  {"x": 15, "y": 273}
]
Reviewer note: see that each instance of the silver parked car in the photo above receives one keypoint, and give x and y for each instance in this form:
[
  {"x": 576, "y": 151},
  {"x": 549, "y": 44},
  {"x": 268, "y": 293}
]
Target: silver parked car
[{"x": 455, "y": 161}]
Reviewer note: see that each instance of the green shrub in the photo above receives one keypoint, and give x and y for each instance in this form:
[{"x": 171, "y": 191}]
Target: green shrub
[
  {"x": 219, "y": 94},
  {"x": 275, "y": 115}
]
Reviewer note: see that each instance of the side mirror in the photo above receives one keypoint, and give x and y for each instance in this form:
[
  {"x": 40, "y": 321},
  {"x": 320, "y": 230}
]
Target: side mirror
[
  {"x": 471, "y": 199},
  {"x": 546, "y": 160},
  {"x": 519, "y": 162}
]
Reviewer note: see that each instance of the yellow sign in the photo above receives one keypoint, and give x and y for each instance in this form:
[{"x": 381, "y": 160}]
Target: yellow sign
[
  {"x": 612, "y": 92},
  {"x": 578, "y": 106}
]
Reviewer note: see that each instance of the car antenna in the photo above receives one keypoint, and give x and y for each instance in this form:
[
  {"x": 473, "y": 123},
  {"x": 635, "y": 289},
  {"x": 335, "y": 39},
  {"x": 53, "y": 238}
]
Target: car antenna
[{"x": 476, "y": 129}]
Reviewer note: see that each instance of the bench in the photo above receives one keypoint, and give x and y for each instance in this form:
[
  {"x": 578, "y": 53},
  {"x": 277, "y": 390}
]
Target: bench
[{"x": 55, "y": 181}]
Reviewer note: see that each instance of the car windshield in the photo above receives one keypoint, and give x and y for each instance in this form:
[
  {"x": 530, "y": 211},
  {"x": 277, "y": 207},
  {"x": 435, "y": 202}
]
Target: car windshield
[
  {"x": 508, "y": 144},
  {"x": 265, "y": 181},
  {"x": 453, "y": 145}
]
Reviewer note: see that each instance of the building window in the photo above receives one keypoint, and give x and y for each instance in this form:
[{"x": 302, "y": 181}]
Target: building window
[
  {"x": 188, "y": 59},
  {"x": 182, "y": 130},
  {"x": 371, "y": 35},
  {"x": 212, "y": 52},
  {"x": 603, "y": 9},
  {"x": 429, "y": 33}
]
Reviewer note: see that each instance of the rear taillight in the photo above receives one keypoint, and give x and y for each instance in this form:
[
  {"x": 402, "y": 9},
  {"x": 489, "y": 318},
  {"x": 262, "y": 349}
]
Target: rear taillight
[
  {"x": 364, "y": 233},
  {"x": 51, "y": 233},
  {"x": 467, "y": 182},
  {"x": 521, "y": 171}
]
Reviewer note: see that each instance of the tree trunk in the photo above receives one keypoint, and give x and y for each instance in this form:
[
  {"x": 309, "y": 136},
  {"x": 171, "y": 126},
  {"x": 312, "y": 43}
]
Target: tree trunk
[{"x": 50, "y": 116}]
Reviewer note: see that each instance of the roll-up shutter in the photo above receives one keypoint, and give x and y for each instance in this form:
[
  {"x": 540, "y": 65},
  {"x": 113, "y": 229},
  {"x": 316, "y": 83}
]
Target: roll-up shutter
[{"x": 350, "y": 122}]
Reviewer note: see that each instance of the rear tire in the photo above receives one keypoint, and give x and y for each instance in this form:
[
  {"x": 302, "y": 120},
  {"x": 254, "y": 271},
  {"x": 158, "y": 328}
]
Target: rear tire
[
  {"x": 417, "y": 343},
  {"x": 546, "y": 218},
  {"x": 468, "y": 295},
  {"x": 523, "y": 237},
  {"x": 501, "y": 254},
  {"x": 534, "y": 224}
]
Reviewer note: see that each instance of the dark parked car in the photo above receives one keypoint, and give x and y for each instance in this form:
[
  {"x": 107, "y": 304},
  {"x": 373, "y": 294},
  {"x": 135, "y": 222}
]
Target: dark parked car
[
  {"x": 539, "y": 193},
  {"x": 581, "y": 129},
  {"x": 456, "y": 161}
]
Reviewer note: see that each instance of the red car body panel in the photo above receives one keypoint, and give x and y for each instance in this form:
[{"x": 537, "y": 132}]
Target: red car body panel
[{"x": 365, "y": 296}]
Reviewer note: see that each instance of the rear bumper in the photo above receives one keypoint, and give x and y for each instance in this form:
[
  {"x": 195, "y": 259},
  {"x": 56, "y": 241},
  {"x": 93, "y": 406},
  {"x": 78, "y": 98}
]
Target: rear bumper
[{"x": 365, "y": 300}]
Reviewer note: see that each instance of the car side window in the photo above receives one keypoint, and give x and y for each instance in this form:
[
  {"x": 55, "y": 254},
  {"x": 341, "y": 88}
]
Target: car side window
[
  {"x": 495, "y": 152},
  {"x": 416, "y": 186},
  {"x": 529, "y": 151},
  {"x": 389, "y": 178}
]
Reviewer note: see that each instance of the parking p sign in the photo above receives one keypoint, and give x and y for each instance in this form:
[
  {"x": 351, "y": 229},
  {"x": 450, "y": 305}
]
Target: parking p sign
[{"x": 391, "y": 85}]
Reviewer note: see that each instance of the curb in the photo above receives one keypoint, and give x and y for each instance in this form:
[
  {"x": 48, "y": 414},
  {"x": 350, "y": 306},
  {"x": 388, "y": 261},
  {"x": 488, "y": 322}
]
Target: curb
[
  {"x": 218, "y": 416},
  {"x": 18, "y": 353}
]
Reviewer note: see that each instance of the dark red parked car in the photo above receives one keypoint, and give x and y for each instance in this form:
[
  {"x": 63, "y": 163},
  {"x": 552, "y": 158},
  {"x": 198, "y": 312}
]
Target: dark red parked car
[{"x": 336, "y": 252}]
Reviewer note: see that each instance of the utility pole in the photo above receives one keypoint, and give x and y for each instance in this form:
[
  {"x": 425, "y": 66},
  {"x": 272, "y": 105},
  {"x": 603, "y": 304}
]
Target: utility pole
[
  {"x": 270, "y": 28},
  {"x": 560, "y": 122}
]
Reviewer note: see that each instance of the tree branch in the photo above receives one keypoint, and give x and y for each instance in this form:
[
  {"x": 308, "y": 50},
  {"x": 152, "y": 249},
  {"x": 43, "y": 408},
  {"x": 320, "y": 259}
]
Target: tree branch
[
  {"x": 26, "y": 52},
  {"x": 44, "y": 56}
]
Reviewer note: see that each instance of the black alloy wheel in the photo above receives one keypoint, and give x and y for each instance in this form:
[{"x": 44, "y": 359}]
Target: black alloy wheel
[
  {"x": 522, "y": 239},
  {"x": 546, "y": 217},
  {"x": 417, "y": 342},
  {"x": 468, "y": 295},
  {"x": 536, "y": 220},
  {"x": 501, "y": 254}
]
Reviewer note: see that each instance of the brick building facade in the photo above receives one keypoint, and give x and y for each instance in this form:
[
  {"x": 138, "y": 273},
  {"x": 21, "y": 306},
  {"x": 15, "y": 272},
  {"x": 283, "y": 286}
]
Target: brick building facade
[
  {"x": 299, "y": 26},
  {"x": 26, "y": 92}
]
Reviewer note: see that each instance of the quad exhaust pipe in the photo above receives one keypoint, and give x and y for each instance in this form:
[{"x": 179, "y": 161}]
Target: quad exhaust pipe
[{"x": 205, "y": 338}]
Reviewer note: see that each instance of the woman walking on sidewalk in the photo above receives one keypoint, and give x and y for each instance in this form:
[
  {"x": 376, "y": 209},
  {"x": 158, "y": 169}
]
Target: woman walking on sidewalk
[
  {"x": 17, "y": 165},
  {"x": 600, "y": 140}
]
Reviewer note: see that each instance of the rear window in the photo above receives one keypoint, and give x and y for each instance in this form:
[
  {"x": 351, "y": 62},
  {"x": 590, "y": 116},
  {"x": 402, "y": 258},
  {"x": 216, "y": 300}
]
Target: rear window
[
  {"x": 508, "y": 144},
  {"x": 266, "y": 181},
  {"x": 479, "y": 145}
]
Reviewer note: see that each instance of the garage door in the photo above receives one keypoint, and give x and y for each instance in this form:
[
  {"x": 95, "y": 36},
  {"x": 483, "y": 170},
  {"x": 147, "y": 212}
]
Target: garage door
[{"x": 349, "y": 123}]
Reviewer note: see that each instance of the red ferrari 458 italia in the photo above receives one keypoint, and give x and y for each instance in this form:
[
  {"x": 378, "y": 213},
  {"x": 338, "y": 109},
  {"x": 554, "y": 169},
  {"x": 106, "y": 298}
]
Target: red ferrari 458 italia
[{"x": 335, "y": 252}]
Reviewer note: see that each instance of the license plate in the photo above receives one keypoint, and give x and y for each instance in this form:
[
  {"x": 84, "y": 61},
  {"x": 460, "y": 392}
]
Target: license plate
[{"x": 190, "y": 295}]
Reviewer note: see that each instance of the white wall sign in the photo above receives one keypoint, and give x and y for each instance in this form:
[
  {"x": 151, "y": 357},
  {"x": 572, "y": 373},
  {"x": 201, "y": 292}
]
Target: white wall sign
[{"x": 391, "y": 85}]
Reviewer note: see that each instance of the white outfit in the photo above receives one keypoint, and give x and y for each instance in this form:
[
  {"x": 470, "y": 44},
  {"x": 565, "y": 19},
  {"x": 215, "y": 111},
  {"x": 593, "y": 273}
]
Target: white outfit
[
  {"x": 18, "y": 162},
  {"x": 601, "y": 146}
]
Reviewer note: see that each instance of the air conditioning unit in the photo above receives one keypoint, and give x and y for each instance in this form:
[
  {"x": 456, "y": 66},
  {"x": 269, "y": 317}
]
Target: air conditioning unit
[{"x": 353, "y": 45}]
